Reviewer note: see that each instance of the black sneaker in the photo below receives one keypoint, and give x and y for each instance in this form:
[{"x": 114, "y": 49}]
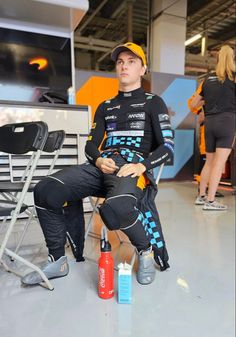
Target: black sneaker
[{"x": 219, "y": 195}]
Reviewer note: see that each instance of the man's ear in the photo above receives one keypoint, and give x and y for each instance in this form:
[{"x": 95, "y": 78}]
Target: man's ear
[{"x": 144, "y": 70}]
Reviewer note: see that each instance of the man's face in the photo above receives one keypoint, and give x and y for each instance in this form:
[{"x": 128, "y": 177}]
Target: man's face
[{"x": 129, "y": 68}]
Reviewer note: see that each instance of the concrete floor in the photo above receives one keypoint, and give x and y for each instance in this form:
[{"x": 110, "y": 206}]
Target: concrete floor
[{"x": 194, "y": 298}]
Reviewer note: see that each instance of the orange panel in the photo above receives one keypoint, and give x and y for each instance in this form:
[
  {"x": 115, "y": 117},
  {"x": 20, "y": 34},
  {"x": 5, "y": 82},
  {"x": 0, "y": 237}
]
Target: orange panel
[{"x": 96, "y": 90}]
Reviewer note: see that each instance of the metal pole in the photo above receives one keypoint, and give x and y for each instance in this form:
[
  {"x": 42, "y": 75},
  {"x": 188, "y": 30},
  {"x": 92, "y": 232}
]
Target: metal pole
[
  {"x": 72, "y": 51},
  {"x": 130, "y": 20}
]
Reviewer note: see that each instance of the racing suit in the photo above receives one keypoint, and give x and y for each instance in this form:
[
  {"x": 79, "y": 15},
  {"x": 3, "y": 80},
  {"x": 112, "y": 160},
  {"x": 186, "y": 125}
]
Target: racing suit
[{"x": 137, "y": 129}]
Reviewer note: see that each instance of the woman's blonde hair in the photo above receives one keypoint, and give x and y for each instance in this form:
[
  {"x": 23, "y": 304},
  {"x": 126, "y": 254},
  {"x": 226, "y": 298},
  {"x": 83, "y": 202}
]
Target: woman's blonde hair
[{"x": 226, "y": 65}]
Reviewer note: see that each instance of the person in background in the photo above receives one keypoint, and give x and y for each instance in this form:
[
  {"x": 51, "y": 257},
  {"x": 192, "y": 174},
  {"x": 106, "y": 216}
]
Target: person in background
[
  {"x": 217, "y": 94},
  {"x": 138, "y": 137},
  {"x": 201, "y": 145}
]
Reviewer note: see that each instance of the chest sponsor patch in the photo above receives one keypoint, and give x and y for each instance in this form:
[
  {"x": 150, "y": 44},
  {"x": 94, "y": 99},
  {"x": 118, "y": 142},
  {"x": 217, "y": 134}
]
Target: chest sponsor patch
[
  {"x": 137, "y": 125},
  {"x": 111, "y": 126},
  {"x": 110, "y": 117},
  {"x": 138, "y": 105},
  {"x": 137, "y": 116},
  {"x": 114, "y": 107}
]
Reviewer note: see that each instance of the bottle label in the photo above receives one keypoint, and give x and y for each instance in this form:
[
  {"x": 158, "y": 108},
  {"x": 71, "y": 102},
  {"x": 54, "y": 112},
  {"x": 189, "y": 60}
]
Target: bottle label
[{"x": 102, "y": 277}]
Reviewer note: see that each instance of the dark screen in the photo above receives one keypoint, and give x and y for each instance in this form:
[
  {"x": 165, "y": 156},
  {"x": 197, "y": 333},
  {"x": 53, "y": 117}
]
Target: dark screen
[{"x": 21, "y": 81}]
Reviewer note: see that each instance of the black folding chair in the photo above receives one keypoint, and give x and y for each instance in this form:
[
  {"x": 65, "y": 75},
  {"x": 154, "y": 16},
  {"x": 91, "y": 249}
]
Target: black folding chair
[
  {"x": 20, "y": 138},
  {"x": 53, "y": 144}
]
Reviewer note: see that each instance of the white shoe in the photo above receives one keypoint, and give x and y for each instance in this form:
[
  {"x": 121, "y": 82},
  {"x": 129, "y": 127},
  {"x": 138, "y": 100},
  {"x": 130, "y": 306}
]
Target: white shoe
[
  {"x": 214, "y": 206},
  {"x": 200, "y": 200}
]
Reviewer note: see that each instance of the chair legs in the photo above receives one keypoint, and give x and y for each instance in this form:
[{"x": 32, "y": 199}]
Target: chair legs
[
  {"x": 14, "y": 217},
  {"x": 26, "y": 226},
  {"x": 29, "y": 264}
]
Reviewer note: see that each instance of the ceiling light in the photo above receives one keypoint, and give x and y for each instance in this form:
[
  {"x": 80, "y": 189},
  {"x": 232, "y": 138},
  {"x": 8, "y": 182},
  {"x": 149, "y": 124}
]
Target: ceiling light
[
  {"x": 192, "y": 39},
  {"x": 203, "y": 47}
]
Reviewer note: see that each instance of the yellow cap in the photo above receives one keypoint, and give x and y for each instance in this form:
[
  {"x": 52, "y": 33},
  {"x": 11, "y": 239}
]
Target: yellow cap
[{"x": 129, "y": 46}]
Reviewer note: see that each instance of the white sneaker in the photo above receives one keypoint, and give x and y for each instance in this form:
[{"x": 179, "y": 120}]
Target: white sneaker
[
  {"x": 200, "y": 200},
  {"x": 214, "y": 206}
]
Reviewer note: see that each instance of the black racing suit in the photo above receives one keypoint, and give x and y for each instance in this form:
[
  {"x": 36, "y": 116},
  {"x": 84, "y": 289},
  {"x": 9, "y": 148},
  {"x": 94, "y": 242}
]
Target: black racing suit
[
  {"x": 137, "y": 129},
  {"x": 137, "y": 121}
]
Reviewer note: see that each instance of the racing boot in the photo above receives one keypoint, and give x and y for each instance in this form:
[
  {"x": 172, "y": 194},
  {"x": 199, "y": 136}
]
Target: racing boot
[
  {"x": 52, "y": 269},
  {"x": 146, "y": 267}
]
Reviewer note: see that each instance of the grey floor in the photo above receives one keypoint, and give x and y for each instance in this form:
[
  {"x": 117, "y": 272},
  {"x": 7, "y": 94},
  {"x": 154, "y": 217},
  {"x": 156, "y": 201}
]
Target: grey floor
[{"x": 194, "y": 298}]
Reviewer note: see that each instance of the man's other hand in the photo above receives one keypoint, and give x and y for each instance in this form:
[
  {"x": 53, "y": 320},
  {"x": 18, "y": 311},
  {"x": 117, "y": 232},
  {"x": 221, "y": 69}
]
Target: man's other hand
[
  {"x": 106, "y": 165},
  {"x": 135, "y": 170}
]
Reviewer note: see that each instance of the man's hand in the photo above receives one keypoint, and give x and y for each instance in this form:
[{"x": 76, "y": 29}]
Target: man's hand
[
  {"x": 106, "y": 165},
  {"x": 135, "y": 170}
]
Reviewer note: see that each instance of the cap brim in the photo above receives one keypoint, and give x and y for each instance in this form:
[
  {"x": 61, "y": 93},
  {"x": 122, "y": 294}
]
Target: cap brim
[{"x": 117, "y": 51}]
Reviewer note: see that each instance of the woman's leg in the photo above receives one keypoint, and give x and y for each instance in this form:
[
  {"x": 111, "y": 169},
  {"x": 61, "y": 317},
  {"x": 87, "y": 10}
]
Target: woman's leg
[
  {"x": 219, "y": 160},
  {"x": 206, "y": 171}
]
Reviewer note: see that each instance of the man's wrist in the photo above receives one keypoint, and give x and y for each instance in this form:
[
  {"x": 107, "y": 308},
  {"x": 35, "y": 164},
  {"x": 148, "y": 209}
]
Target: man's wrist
[{"x": 98, "y": 162}]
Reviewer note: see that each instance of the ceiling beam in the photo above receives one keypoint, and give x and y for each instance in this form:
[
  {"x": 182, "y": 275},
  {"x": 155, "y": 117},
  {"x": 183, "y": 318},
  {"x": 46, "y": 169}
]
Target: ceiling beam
[
  {"x": 89, "y": 47},
  {"x": 108, "y": 52},
  {"x": 213, "y": 10},
  {"x": 225, "y": 34},
  {"x": 94, "y": 13},
  {"x": 94, "y": 42},
  {"x": 119, "y": 10}
]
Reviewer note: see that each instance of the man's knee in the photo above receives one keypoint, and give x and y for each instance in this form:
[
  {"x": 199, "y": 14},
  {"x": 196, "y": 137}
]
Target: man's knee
[
  {"x": 119, "y": 211},
  {"x": 51, "y": 194}
]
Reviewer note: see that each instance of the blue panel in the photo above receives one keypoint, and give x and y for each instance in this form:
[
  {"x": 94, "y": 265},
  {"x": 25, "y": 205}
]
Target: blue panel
[
  {"x": 184, "y": 146},
  {"x": 176, "y": 96}
]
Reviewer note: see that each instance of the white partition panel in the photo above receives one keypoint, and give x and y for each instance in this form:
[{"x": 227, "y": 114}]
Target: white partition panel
[{"x": 75, "y": 120}]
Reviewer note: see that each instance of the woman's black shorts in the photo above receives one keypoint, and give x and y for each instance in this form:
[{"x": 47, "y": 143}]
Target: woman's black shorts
[{"x": 219, "y": 131}]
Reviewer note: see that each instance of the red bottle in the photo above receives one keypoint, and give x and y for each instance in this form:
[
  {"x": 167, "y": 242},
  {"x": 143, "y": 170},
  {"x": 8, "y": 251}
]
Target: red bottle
[{"x": 105, "y": 271}]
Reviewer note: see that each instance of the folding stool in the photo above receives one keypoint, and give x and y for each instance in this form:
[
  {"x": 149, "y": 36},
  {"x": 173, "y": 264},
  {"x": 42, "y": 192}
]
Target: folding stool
[{"x": 19, "y": 139}]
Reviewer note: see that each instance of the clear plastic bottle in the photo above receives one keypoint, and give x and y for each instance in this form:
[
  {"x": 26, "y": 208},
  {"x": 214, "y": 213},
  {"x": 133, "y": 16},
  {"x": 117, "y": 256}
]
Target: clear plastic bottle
[{"x": 71, "y": 95}]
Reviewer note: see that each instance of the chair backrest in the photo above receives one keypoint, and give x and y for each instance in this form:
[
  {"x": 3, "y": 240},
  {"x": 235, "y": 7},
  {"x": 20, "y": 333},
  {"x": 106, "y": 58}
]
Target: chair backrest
[
  {"x": 20, "y": 138},
  {"x": 54, "y": 144},
  {"x": 12, "y": 166},
  {"x": 54, "y": 141}
]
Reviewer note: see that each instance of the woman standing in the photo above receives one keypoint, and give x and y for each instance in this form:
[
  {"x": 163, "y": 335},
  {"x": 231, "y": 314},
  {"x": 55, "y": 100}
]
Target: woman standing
[{"x": 217, "y": 93}]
